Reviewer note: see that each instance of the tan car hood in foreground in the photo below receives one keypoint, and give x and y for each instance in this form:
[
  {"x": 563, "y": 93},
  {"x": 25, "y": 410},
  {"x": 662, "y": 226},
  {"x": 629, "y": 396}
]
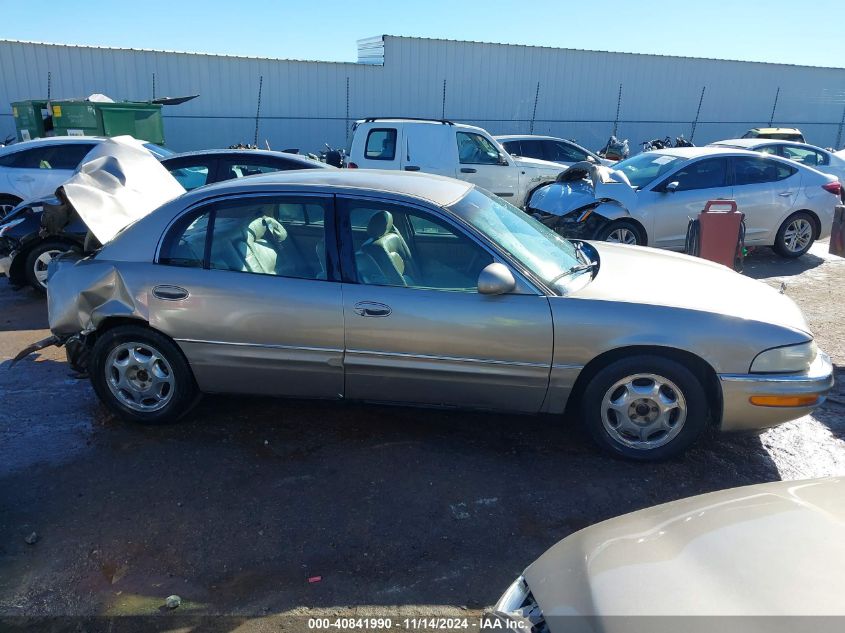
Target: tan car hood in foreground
[
  {"x": 635, "y": 274},
  {"x": 770, "y": 549}
]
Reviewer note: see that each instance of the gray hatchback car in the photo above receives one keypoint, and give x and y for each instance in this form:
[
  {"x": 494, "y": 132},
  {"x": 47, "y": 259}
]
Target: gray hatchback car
[{"x": 424, "y": 290}]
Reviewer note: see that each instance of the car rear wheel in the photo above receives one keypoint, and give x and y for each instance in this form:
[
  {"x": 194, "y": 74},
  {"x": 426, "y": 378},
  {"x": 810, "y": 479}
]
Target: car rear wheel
[
  {"x": 39, "y": 258},
  {"x": 621, "y": 232},
  {"x": 644, "y": 408},
  {"x": 141, "y": 375},
  {"x": 796, "y": 235},
  {"x": 7, "y": 203}
]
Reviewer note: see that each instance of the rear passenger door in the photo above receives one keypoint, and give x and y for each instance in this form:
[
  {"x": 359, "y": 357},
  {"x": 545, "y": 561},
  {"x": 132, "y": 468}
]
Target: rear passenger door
[
  {"x": 258, "y": 272},
  {"x": 765, "y": 190}
]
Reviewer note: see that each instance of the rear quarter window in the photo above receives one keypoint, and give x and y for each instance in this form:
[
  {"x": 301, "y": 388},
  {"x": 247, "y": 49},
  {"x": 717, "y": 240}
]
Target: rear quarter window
[{"x": 381, "y": 144}]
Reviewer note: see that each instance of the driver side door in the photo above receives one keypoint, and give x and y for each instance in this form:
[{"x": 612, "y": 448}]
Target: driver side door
[
  {"x": 698, "y": 181},
  {"x": 421, "y": 333},
  {"x": 481, "y": 163}
]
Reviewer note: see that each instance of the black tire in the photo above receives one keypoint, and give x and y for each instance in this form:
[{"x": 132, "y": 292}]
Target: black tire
[
  {"x": 35, "y": 268},
  {"x": 618, "y": 225},
  {"x": 7, "y": 203},
  {"x": 182, "y": 396},
  {"x": 692, "y": 392},
  {"x": 781, "y": 247}
]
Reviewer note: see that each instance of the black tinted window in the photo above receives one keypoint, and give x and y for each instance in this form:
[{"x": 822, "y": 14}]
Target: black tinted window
[
  {"x": 563, "y": 152},
  {"x": 381, "y": 144},
  {"x": 702, "y": 174},
  {"x": 532, "y": 149},
  {"x": 752, "y": 171},
  {"x": 512, "y": 147},
  {"x": 49, "y": 157}
]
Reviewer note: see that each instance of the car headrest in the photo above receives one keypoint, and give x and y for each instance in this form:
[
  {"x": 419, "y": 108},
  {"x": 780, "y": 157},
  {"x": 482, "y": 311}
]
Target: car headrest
[
  {"x": 259, "y": 227},
  {"x": 380, "y": 224}
]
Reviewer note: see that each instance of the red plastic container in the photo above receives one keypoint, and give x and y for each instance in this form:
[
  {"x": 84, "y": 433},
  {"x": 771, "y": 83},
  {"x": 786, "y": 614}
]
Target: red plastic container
[{"x": 720, "y": 225}]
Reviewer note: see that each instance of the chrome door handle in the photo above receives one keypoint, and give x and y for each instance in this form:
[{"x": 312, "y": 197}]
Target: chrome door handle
[
  {"x": 170, "y": 293},
  {"x": 785, "y": 193},
  {"x": 468, "y": 170},
  {"x": 372, "y": 309}
]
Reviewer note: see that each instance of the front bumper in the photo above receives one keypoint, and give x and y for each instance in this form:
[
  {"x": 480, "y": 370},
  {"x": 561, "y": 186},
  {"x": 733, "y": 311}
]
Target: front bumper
[
  {"x": 739, "y": 414},
  {"x": 568, "y": 225}
]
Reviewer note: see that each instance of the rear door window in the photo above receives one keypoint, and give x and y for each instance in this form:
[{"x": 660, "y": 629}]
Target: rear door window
[
  {"x": 51, "y": 156},
  {"x": 749, "y": 170},
  {"x": 804, "y": 155},
  {"x": 564, "y": 153},
  {"x": 381, "y": 144},
  {"x": 190, "y": 173},
  {"x": 532, "y": 149}
]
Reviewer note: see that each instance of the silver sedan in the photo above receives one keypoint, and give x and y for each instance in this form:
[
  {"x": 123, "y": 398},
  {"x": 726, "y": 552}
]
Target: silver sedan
[
  {"x": 423, "y": 290},
  {"x": 649, "y": 199}
]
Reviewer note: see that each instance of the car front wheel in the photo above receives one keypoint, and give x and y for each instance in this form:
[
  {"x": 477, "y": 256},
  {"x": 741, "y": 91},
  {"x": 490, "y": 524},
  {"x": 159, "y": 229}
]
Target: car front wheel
[
  {"x": 141, "y": 375},
  {"x": 796, "y": 235},
  {"x": 37, "y": 261},
  {"x": 621, "y": 232},
  {"x": 644, "y": 408}
]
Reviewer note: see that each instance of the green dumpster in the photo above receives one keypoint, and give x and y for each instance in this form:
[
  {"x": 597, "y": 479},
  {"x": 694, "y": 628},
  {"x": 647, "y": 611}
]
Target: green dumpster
[
  {"x": 89, "y": 118},
  {"x": 30, "y": 118}
]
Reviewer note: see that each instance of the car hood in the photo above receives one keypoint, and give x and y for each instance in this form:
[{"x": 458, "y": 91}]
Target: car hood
[
  {"x": 581, "y": 185},
  {"x": 638, "y": 274},
  {"x": 769, "y": 549}
]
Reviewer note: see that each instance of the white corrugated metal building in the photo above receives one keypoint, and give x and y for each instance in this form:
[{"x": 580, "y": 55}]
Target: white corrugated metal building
[{"x": 504, "y": 88}]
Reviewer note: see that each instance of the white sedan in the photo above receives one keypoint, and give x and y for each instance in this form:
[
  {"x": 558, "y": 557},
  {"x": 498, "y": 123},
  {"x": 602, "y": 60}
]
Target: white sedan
[
  {"x": 34, "y": 169},
  {"x": 809, "y": 155},
  {"x": 648, "y": 199}
]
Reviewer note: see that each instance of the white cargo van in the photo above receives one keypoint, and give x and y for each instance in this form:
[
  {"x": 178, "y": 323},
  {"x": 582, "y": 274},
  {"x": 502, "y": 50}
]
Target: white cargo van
[{"x": 449, "y": 149}]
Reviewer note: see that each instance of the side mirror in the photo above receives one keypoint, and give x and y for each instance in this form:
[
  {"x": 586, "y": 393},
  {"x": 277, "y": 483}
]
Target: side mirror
[
  {"x": 503, "y": 160},
  {"x": 672, "y": 187},
  {"x": 496, "y": 279},
  {"x": 592, "y": 159}
]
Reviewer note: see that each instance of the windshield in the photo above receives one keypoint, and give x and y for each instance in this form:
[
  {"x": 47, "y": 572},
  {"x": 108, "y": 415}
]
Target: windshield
[
  {"x": 643, "y": 168},
  {"x": 534, "y": 245}
]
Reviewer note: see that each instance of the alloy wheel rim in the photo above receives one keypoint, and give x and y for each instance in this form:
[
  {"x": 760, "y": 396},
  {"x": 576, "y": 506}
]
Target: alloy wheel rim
[
  {"x": 622, "y": 236},
  {"x": 41, "y": 264},
  {"x": 797, "y": 235},
  {"x": 140, "y": 377},
  {"x": 4, "y": 210},
  {"x": 643, "y": 411}
]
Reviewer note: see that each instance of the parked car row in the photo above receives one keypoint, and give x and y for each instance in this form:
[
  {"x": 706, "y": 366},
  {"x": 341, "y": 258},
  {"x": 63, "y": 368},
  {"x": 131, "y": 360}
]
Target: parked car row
[{"x": 26, "y": 251}]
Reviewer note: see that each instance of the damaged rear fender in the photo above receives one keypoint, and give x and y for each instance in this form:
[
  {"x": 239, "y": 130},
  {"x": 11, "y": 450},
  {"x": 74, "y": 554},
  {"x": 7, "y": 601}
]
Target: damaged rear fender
[{"x": 83, "y": 294}]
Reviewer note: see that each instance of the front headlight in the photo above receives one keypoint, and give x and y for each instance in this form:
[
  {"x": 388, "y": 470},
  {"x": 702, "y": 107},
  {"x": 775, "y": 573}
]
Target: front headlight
[
  {"x": 792, "y": 358},
  {"x": 516, "y": 610}
]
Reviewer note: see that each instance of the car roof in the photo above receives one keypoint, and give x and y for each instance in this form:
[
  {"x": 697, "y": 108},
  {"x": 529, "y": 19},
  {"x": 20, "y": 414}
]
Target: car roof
[
  {"x": 51, "y": 140},
  {"x": 248, "y": 152},
  {"x": 774, "y": 130},
  {"x": 375, "y": 122},
  {"x": 532, "y": 137},
  {"x": 750, "y": 143},
  {"x": 440, "y": 190},
  {"x": 696, "y": 152}
]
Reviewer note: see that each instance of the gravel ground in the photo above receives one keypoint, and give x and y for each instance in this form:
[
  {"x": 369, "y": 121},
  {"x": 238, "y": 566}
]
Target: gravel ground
[{"x": 396, "y": 511}]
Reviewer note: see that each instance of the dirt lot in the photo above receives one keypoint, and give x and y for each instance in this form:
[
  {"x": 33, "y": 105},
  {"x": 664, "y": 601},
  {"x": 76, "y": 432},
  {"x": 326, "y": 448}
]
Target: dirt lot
[{"x": 408, "y": 511}]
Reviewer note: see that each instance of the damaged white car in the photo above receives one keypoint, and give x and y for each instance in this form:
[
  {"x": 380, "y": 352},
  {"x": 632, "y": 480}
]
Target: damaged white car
[{"x": 650, "y": 198}]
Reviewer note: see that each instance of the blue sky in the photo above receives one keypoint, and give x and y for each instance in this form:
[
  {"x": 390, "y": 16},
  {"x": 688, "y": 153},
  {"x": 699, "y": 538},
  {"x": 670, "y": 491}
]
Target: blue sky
[{"x": 787, "y": 31}]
